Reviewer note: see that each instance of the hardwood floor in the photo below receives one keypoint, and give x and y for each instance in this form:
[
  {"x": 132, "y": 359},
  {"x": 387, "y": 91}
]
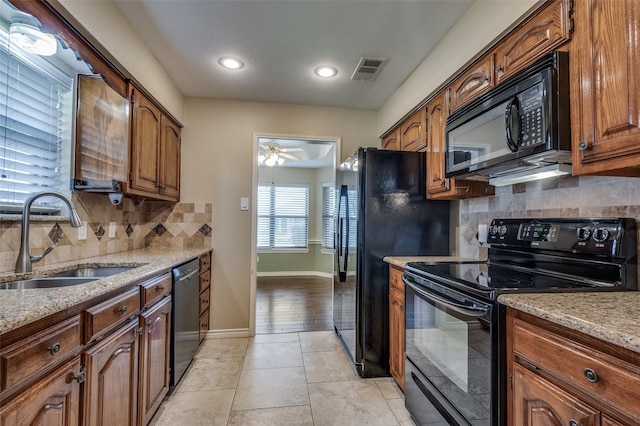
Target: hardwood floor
[{"x": 293, "y": 304}]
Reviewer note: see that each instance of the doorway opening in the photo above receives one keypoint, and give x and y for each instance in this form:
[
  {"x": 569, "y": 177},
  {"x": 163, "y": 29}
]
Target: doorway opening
[{"x": 292, "y": 233}]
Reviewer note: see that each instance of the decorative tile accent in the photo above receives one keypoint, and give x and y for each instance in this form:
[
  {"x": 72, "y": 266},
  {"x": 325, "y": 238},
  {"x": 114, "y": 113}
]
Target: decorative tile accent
[
  {"x": 99, "y": 232},
  {"x": 56, "y": 234},
  {"x": 159, "y": 229},
  {"x": 205, "y": 230},
  {"x": 129, "y": 230}
]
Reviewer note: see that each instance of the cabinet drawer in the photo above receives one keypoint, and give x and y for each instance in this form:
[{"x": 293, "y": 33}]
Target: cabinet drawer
[
  {"x": 205, "y": 262},
  {"x": 101, "y": 318},
  {"x": 205, "y": 281},
  {"x": 204, "y": 324},
  {"x": 155, "y": 289},
  {"x": 39, "y": 352},
  {"x": 395, "y": 277},
  {"x": 595, "y": 373},
  {"x": 204, "y": 301}
]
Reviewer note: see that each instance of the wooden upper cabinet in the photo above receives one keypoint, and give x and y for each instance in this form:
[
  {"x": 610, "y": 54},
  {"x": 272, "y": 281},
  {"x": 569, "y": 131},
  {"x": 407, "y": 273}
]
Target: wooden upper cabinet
[
  {"x": 547, "y": 29},
  {"x": 605, "y": 90},
  {"x": 155, "y": 151},
  {"x": 391, "y": 141},
  {"x": 472, "y": 83},
  {"x": 412, "y": 132}
]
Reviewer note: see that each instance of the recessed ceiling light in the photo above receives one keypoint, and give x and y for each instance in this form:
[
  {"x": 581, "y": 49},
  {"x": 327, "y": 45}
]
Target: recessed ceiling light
[
  {"x": 231, "y": 63},
  {"x": 326, "y": 71}
]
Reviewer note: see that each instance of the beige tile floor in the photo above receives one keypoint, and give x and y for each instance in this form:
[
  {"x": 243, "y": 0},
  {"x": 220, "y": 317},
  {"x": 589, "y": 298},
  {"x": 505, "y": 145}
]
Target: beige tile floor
[{"x": 280, "y": 379}]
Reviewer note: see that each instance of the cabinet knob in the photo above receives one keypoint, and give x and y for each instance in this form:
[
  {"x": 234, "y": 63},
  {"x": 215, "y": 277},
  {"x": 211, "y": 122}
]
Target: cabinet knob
[
  {"x": 574, "y": 422},
  {"x": 485, "y": 78},
  {"x": 122, "y": 310},
  {"x": 499, "y": 69},
  {"x": 160, "y": 288},
  {"x": 591, "y": 375},
  {"x": 153, "y": 325},
  {"x": 80, "y": 377},
  {"x": 53, "y": 350},
  {"x": 585, "y": 145}
]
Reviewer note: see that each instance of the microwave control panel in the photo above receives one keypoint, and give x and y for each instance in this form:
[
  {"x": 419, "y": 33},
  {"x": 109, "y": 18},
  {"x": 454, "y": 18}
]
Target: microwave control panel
[{"x": 531, "y": 116}]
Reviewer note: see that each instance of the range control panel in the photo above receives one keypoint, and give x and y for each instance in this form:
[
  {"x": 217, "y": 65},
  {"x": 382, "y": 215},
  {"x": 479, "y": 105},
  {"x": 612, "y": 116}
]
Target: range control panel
[{"x": 593, "y": 236}]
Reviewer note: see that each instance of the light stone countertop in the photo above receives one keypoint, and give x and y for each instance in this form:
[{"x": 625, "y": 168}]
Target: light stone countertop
[
  {"x": 23, "y": 306},
  {"x": 402, "y": 261},
  {"x": 610, "y": 316}
]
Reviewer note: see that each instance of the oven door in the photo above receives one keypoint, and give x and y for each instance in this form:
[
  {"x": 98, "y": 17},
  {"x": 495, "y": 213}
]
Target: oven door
[{"x": 449, "y": 341}]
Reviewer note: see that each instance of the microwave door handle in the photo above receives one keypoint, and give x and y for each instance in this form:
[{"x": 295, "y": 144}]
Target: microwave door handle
[
  {"x": 512, "y": 124},
  {"x": 468, "y": 310}
]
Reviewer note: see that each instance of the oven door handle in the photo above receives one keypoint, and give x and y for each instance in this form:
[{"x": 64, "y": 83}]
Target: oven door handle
[{"x": 471, "y": 310}]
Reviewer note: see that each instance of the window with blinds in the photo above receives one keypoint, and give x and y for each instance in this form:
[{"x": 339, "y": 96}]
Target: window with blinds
[
  {"x": 328, "y": 215},
  {"x": 36, "y": 105},
  {"x": 283, "y": 216}
]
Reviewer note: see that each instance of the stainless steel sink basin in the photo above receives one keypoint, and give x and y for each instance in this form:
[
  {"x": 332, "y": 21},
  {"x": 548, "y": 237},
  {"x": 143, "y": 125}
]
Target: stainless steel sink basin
[
  {"x": 67, "y": 278},
  {"x": 46, "y": 282},
  {"x": 92, "y": 272}
]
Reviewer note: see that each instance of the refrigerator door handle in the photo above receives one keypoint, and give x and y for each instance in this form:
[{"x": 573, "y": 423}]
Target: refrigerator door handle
[
  {"x": 342, "y": 274},
  {"x": 346, "y": 236}
]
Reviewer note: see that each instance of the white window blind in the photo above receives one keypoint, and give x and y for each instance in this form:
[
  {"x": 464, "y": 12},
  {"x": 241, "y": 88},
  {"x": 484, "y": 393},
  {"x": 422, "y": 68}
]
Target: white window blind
[
  {"x": 283, "y": 216},
  {"x": 328, "y": 215},
  {"x": 35, "y": 117}
]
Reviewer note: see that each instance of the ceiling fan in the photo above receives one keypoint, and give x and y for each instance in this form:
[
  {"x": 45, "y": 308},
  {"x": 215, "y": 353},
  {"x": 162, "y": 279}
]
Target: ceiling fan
[{"x": 271, "y": 154}]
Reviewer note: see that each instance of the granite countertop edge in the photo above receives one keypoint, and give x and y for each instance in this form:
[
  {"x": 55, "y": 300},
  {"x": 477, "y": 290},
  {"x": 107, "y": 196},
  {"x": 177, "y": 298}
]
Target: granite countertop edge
[
  {"x": 608, "y": 316},
  {"x": 401, "y": 261},
  {"x": 23, "y": 306}
]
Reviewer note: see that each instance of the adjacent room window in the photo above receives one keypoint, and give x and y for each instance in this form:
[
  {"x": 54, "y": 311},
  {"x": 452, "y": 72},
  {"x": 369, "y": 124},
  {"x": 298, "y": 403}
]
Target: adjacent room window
[
  {"x": 328, "y": 215},
  {"x": 36, "y": 105},
  {"x": 283, "y": 216}
]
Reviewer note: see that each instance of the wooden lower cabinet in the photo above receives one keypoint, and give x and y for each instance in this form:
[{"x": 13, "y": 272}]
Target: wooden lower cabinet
[
  {"x": 537, "y": 402},
  {"x": 111, "y": 384},
  {"x": 396, "y": 324},
  {"x": 53, "y": 400},
  {"x": 155, "y": 344}
]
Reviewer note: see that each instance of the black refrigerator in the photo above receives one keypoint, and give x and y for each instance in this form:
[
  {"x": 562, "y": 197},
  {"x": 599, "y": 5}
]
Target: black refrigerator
[{"x": 381, "y": 210}]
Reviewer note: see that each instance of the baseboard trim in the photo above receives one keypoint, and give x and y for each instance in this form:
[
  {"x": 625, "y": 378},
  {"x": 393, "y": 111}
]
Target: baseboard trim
[
  {"x": 295, "y": 274},
  {"x": 226, "y": 334}
]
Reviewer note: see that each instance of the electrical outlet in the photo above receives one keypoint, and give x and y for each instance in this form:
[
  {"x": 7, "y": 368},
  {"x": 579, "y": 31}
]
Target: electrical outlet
[
  {"x": 244, "y": 203},
  {"x": 82, "y": 232},
  {"x": 112, "y": 229}
]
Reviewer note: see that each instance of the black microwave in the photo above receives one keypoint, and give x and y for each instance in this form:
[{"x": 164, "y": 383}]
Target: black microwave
[{"x": 523, "y": 123}]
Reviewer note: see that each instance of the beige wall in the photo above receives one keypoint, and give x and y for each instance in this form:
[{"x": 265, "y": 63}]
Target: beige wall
[
  {"x": 111, "y": 28},
  {"x": 217, "y": 155},
  {"x": 482, "y": 23}
]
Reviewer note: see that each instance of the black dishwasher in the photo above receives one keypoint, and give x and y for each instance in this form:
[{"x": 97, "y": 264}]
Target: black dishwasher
[{"x": 185, "y": 319}]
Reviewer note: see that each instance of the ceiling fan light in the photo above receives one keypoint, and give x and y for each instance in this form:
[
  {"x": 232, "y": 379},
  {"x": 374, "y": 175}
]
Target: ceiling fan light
[
  {"x": 280, "y": 160},
  {"x": 31, "y": 39},
  {"x": 271, "y": 160}
]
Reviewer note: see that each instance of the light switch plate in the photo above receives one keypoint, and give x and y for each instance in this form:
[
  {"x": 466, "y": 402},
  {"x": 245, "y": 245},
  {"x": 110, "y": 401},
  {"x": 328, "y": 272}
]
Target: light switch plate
[
  {"x": 82, "y": 232},
  {"x": 244, "y": 203},
  {"x": 112, "y": 229}
]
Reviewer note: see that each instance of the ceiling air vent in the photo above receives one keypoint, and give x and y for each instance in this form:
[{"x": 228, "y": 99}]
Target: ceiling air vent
[{"x": 368, "y": 69}]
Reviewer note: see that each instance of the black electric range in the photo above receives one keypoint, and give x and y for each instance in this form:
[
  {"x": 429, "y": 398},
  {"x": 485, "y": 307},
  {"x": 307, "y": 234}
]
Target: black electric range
[{"x": 455, "y": 337}]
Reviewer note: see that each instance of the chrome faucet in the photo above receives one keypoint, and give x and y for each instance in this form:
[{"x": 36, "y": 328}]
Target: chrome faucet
[{"x": 24, "y": 261}]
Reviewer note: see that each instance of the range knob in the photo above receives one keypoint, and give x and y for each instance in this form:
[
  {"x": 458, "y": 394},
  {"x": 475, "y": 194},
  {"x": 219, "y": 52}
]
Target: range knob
[
  {"x": 502, "y": 230},
  {"x": 583, "y": 234},
  {"x": 600, "y": 235},
  {"x": 493, "y": 229}
]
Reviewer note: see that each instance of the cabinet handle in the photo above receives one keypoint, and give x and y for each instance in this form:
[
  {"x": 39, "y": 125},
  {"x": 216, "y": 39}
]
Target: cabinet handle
[
  {"x": 499, "y": 69},
  {"x": 53, "y": 350},
  {"x": 205, "y": 300},
  {"x": 160, "y": 288},
  {"x": 80, "y": 377},
  {"x": 485, "y": 78},
  {"x": 395, "y": 279},
  {"x": 400, "y": 305},
  {"x": 591, "y": 375},
  {"x": 574, "y": 422},
  {"x": 152, "y": 326},
  {"x": 139, "y": 331},
  {"x": 585, "y": 145},
  {"x": 123, "y": 310}
]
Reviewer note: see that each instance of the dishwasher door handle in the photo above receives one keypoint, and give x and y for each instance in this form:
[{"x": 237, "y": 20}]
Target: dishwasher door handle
[{"x": 186, "y": 277}]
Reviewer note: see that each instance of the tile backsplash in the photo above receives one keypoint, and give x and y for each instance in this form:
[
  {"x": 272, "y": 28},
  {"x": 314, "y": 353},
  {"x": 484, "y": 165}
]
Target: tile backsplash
[
  {"x": 583, "y": 196},
  {"x": 152, "y": 224}
]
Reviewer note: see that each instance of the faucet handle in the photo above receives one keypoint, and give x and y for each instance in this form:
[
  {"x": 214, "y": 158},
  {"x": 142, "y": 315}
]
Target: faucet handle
[{"x": 39, "y": 257}]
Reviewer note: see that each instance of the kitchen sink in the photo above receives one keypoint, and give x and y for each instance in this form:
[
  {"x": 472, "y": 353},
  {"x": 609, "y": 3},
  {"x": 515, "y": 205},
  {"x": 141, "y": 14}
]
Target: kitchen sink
[{"x": 68, "y": 278}]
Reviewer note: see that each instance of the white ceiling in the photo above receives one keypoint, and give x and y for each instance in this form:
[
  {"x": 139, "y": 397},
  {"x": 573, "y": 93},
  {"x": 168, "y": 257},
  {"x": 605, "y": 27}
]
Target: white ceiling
[{"x": 282, "y": 41}]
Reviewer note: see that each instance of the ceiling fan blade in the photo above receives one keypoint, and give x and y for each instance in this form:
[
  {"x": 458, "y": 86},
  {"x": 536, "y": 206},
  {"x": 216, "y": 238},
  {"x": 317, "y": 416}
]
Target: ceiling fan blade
[
  {"x": 291, "y": 149},
  {"x": 289, "y": 156}
]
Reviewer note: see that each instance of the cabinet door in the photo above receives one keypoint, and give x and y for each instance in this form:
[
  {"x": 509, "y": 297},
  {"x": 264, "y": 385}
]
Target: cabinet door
[
  {"x": 145, "y": 144},
  {"x": 391, "y": 141},
  {"x": 605, "y": 101},
  {"x": 170, "y": 160},
  {"x": 53, "y": 400},
  {"x": 412, "y": 132},
  {"x": 111, "y": 386},
  {"x": 396, "y": 333},
  {"x": 537, "y": 402},
  {"x": 436, "y": 122},
  {"x": 154, "y": 358},
  {"x": 546, "y": 30},
  {"x": 477, "y": 80}
]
